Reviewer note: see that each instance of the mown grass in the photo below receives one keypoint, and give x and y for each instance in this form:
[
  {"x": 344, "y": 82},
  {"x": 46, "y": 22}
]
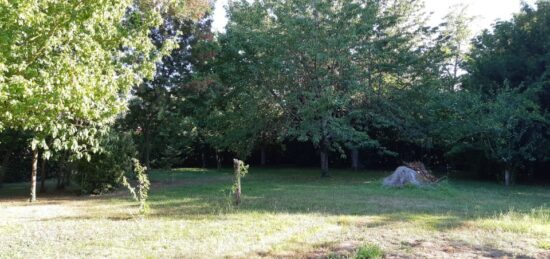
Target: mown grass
[{"x": 285, "y": 213}]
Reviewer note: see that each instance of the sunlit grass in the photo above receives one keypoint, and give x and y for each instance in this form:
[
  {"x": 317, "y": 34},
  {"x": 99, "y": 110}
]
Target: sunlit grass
[
  {"x": 536, "y": 222},
  {"x": 285, "y": 213},
  {"x": 544, "y": 244}
]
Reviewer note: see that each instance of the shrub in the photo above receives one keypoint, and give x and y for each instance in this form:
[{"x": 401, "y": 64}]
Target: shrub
[{"x": 106, "y": 169}]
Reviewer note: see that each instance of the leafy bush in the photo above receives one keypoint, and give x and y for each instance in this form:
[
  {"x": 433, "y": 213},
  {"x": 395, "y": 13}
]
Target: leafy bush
[
  {"x": 369, "y": 252},
  {"x": 105, "y": 170}
]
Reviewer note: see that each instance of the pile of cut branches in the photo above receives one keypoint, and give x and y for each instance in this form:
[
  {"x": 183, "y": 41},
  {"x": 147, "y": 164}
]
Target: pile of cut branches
[{"x": 420, "y": 168}]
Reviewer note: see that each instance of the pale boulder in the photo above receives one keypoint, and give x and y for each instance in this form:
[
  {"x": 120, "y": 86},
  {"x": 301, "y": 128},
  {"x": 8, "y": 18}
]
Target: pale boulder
[{"x": 403, "y": 176}]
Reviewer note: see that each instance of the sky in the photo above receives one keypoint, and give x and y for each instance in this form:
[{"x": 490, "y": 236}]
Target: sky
[{"x": 485, "y": 11}]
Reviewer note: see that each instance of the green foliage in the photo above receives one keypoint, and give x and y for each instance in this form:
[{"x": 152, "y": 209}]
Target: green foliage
[
  {"x": 338, "y": 74},
  {"x": 452, "y": 46},
  {"x": 513, "y": 54},
  {"x": 507, "y": 70},
  {"x": 67, "y": 67},
  {"x": 369, "y": 252},
  {"x": 508, "y": 128},
  {"x": 318, "y": 71},
  {"x": 105, "y": 170},
  {"x": 70, "y": 78},
  {"x": 512, "y": 128},
  {"x": 243, "y": 169},
  {"x": 163, "y": 111},
  {"x": 544, "y": 245}
]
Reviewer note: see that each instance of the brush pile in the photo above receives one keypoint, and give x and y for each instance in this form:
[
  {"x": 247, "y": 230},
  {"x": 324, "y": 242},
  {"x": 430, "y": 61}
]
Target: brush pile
[{"x": 413, "y": 173}]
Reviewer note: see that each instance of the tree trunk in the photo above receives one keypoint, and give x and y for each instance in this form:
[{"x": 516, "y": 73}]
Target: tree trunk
[
  {"x": 33, "y": 175},
  {"x": 43, "y": 175},
  {"x": 59, "y": 185},
  {"x": 203, "y": 159},
  {"x": 324, "y": 162},
  {"x": 324, "y": 149},
  {"x": 355, "y": 159},
  {"x": 68, "y": 175},
  {"x": 218, "y": 160},
  {"x": 147, "y": 149},
  {"x": 61, "y": 176},
  {"x": 4, "y": 167},
  {"x": 507, "y": 177},
  {"x": 263, "y": 156},
  {"x": 237, "y": 167}
]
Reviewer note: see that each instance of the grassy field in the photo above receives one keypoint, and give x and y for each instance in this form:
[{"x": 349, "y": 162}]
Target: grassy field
[{"x": 285, "y": 213}]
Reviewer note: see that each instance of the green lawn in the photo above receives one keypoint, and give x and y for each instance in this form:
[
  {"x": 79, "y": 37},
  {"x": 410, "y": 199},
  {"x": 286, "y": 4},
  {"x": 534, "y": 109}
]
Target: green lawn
[{"x": 285, "y": 213}]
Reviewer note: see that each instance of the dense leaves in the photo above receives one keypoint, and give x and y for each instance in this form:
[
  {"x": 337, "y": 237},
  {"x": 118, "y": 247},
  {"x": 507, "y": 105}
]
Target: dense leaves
[
  {"x": 320, "y": 67},
  {"x": 339, "y": 77},
  {"x": 105, "y": 170},
  {"x": 508, "y": 68},
  {"x": 67, "y": 67}
]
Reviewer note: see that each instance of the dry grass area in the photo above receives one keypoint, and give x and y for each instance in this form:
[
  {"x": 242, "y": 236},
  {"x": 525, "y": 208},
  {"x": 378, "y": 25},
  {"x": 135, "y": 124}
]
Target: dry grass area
[{"x": 286, "y": 213}]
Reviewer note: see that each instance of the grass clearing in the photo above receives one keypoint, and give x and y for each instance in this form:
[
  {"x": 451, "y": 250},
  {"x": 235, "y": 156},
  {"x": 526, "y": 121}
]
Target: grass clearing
[{"x": 285, "y": 213}]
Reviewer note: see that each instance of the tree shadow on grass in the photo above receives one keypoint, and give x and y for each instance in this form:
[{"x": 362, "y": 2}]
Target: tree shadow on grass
[
  {"x": 455, "y": 246},
  {"x": 417, "y": 249},
  {"x": 276, "y": 192},
  {"x": 360, "y": 198},
  {"x": 121, "y": 217}
]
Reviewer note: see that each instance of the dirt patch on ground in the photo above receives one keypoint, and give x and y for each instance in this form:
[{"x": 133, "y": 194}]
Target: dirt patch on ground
[
  {"x": 416, "y": 249},
  {"x": 447, "y": 248}
]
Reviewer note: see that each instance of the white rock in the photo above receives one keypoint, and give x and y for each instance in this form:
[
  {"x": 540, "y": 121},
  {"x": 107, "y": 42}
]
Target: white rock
[{"x": 403, "y": 176}]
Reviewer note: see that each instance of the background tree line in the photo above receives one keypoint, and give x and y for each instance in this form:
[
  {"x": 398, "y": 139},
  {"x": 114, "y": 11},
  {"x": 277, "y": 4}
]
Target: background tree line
[{"x": 364, "y": 84}]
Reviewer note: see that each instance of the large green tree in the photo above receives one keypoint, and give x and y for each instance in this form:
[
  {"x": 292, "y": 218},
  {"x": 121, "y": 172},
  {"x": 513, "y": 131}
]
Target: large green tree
[
  {"x": 431, "y": 115},
  {"x": 509, "y": 68},
  {"x": 66, "y": 67},
  {"x": 514, "y": 53},
  {"x": 162, "y": 111},
  {"x": 324, "y": 64},
  {"x": 241, "y": 114}
]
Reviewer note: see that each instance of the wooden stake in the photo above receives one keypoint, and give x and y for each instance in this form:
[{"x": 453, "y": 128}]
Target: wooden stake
[{"x": 237, "y": 167}]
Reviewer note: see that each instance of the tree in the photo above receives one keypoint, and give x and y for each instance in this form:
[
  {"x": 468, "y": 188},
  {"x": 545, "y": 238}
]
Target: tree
[
  {"x": 431, "y": 116},
  {"x": 508, "y": 129},
  {"x": 226, "y": 116},
  {"x": 508, "y": 68},
  {"x": 453, "y": 44},
  {"x": 512, "y": 131},
  {"x": 319, "y": 62},
  {"x": 66, "y": 67},
  {"x": 514, "y": 54},
  {"x": 105, "y": 169},
  {"x": 155, "y": 109}
]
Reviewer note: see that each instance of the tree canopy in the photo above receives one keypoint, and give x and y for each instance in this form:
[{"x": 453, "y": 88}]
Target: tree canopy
[
  {"x": 67, "y": 67},
  {"x": 316, "y": 80}
]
